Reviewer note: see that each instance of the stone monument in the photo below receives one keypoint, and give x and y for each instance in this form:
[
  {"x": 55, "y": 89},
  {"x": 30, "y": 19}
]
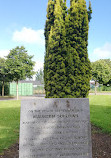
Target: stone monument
[{"x": 55, "y": 128}]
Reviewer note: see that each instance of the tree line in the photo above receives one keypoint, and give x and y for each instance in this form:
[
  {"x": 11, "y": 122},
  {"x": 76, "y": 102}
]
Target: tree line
[{"x": 17, "y": 65}]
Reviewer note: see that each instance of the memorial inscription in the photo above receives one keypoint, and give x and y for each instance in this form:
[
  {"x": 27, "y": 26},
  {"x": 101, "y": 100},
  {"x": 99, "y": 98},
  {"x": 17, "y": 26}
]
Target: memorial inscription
[{"x": 55, "y": 128}]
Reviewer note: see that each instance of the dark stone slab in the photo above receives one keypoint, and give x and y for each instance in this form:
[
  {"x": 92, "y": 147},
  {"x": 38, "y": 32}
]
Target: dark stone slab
[{"x": 55, "y": 128}]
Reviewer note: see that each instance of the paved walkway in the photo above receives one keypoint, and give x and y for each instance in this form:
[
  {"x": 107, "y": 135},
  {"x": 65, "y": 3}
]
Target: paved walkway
[
  {"x": 21, "y": 98},
  {"x": 39, "y": 97}
]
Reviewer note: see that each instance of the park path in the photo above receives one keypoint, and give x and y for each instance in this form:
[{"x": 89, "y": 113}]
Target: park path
[
  {"x": 23, "y": 97},
  {"x": 39, "y": 97}
]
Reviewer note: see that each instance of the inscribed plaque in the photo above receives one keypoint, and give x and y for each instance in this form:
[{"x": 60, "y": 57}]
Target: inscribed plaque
[{"x": 55, "y": 128}]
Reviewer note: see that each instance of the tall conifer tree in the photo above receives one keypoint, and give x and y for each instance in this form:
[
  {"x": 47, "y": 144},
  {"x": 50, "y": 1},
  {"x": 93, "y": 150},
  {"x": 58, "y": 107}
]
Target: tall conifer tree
[
  {"x": 89, "y": 11},
  {"x": 67, "y": 68},
  {"x": 77, "y": 41},
  {"x": 64, "y": 8},
  {"x": 85, "y": 65},
  {"x": 73, "y": 60},
  {"x": 49, "y": 23},
  {"x": 56, "y": 55}
]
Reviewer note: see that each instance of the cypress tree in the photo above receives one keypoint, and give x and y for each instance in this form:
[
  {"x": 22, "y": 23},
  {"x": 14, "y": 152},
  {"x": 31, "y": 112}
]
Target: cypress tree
[
  {"x": 72, "y": 61},
  {"x": 64, "y": 8},
  {"x": 67, "y": 68},
  {"x": 78, "y": 64},
  {"x": 49, "y": 20},
  {"x": 49, "y": 23},
  {"x": 89, "y": 11},
  {"x": 85, "y": 65},
  {"x": 56, "y": 55}
]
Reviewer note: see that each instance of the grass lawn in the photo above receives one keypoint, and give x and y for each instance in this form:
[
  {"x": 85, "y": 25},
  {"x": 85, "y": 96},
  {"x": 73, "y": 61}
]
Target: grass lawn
[
  {"x": 93, "y": 91},
  {"x": 9, "y": 123},
  {"x": 100, "y": 111}
]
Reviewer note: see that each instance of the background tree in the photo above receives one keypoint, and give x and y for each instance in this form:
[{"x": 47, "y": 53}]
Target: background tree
[
  {"x": 20, "y": 65},
  {"x": 4, "y": 75},
  {"x": 6, "y": 89},
  {"x": 40, "y": 76},
  {"x": 108, "y": 62},
  {"x": 101, "y": 72}
]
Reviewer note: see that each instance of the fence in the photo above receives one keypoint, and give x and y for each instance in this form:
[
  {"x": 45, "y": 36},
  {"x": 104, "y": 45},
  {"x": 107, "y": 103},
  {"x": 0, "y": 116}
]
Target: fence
[
  {"x": 24, "y": 89},
  {"x": 38, "y": 89}
]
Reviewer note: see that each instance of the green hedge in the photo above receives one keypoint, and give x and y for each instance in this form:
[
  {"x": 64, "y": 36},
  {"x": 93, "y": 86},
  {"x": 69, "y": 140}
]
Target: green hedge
[
  {"x": 106, "y": 88},
  {"x": 100, "y": 88}
]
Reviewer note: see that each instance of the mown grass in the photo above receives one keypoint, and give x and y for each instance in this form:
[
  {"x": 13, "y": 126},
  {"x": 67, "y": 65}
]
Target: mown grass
[
  {"x": 9, "y": 123},
  {"x": 100, "y": 111},
  {"x": 100, "y": 114},
  {"x": 93, "y": 91}
]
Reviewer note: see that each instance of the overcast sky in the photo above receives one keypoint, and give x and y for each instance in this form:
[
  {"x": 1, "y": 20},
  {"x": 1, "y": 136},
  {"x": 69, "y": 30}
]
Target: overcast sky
[{"x": 23, "y": 21}]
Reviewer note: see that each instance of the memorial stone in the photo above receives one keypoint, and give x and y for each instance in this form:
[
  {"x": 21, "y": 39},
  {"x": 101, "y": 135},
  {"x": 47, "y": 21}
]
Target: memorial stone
[{"x": 55, "y": 128}]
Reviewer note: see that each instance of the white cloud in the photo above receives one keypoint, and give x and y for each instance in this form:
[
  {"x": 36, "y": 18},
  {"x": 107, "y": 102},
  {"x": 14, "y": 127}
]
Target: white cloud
[
  {"x": 38, "y": 65},
  {"x": 4, "y": 53},
  {"x": 29, "y": 35},
  {"x": 103, "y": 52}
]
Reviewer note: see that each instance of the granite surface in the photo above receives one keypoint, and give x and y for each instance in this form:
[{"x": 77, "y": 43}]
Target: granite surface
[{"x": 55, "y": 128}]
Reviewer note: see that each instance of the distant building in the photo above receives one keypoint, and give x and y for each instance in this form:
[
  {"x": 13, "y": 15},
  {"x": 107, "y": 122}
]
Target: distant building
[{"x": 26, "y": 88}]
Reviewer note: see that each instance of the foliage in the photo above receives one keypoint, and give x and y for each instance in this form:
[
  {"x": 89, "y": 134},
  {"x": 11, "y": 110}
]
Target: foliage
[
  {"x": 6, "y": 88},
  {"x": 39, "y": 90},
  {"x": 106, "y": 88},
  {"x": 100, "y": 112},
  {"x": 101, "y": 71},
  {"x": 108, "y": 62},
  {"x": 64, "y": 8},
  {"x": 9, "y": 123},
  {"x": 67, "y": 69},
  {"x": 40, "y": 76},
  {"x": 2, "y": 69},
  {"x": 89, "y": 11},
  {"x": 56, "y": 50},
  {"x": 20, "y": 64},
  {"x": 78, "y": 64},
  {"x": 4, "y": 76},
  {"x": 101, "y": 88},
  {"x": 49, "y": 23}
]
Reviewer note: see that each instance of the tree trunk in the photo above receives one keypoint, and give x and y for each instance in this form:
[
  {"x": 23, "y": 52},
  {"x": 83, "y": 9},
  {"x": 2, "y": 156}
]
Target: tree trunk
[
  {"x": 17, "y": 91},
  {"x": 3, "y": 89},
  {"x": 95, "y": 87}
]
